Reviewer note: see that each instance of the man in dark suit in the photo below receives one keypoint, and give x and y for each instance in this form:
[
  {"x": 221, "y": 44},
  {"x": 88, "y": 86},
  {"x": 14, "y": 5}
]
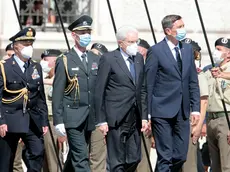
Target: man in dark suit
[
  {"x": 118, "y": 101},
  {"x": 173, "y": 94},
  {"x": 23, "y": 106},
  {"x": 73, "y": 91}
]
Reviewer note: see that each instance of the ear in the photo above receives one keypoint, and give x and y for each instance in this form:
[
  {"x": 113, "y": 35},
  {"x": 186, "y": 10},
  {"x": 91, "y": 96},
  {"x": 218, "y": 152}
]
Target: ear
[
  {"x": 167, "y": 31},
  {"x": 120, "y": 43},
  {"x": 74, "y": 35}
]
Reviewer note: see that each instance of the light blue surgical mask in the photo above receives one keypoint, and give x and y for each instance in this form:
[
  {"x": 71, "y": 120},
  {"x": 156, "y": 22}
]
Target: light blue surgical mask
[
  {"x": 84, "y": 39},
  {"x": 181, "y": 33}
]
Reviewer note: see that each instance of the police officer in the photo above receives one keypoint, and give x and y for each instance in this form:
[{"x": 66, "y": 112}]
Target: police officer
[
  {"x": 9, "y": 51},
  {"x": 143, "y": 47},
  {"x": 48, "y": 63},
  {"x": 73, "y": 90},
  {"x": 23, "y": 106},
  {"x": 98, "y": 152},
  {"x": 99, "y": 49},
  {"x": 217, "y": 127}
]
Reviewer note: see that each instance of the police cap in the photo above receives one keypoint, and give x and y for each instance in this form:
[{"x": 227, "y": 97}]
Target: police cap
[
  {"x": 26, "y": 34},
  {"x": 99, "y": 47},
  {"x": 82, "y": 23},
  {"x": 194, "y": 44},
  {"x": 225, "y": 42},
  {"x": 51, "y": 52},
  {"x": 9, "y": 47},
  {"x": 143, "y": 43}
]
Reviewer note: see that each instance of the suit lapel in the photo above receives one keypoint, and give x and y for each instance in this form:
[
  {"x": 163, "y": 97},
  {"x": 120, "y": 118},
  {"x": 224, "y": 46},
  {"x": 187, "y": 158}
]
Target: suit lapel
[
  {"x": 170, "y": 56},
  {"x": 76, "y": 59},
  {"x": 17, "y": 69},
  {"x": 123, "y": 65}
]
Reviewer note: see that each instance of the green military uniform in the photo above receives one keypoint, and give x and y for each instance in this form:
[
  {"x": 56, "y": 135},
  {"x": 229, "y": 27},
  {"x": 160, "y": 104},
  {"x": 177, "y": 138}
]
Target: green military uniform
[{"x": 217, "y": 128}]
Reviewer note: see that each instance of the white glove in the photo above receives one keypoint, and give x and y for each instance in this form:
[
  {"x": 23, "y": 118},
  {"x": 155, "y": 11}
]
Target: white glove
[{"x": 60, "y": 130}]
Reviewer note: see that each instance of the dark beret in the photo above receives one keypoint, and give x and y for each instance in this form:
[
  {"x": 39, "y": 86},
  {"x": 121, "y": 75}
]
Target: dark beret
[
  {"x": 143, "y": 43},
  {"x": 99, "y": 47},
  {"x": 26, "y": 34},
  {"x": 9, "y": 47},
  {"x": 82, "y": 23},
  {"x": 194, "y": 44},
  {"x": 51, "y": 52},
  {"x": 223, "y": 42}
]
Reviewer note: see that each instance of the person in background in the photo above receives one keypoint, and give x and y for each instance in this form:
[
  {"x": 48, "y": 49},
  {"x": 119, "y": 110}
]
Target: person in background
[
  {"x": 143, "y": 47},
  {"x": 48, "y": 64},
  {"x": 99, "y": 49},
  {"x": 97, "y": 147},
  {"x": 9, "y": 51},
  {"x": 194, "y": 160}
]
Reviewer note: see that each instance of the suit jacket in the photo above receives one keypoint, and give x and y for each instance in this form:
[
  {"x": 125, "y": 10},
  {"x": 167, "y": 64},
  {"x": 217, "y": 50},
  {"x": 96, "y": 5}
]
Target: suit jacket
[
  {"x": 65, "y": 109},
  {"x": 115, "y": 90},
  {"x": 12, "y": 114},
  {"x": 168, "y": 89}
]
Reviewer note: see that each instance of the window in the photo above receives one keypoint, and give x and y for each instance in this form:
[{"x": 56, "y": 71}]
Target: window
[{"x": 43, "y": 13}]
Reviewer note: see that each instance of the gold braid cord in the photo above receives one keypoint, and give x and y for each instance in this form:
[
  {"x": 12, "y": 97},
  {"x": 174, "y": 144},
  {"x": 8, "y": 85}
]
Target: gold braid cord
[
  {"x": 21, "y": 93},
  {"x": 73, "y": 83}
]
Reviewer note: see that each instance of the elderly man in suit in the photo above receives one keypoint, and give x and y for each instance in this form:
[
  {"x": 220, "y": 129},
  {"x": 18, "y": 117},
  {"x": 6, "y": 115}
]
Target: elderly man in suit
[
  {"x": 173, "y": 94},
  {"x": 120, "y": 102}
]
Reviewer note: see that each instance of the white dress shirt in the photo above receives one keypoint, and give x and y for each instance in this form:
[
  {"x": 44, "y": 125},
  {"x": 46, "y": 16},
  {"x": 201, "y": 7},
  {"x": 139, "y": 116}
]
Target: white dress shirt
[
  {"x": 125, "y": 57},
  {"x": 19, "y": 62},
  {"x": 79, "y": 53}
]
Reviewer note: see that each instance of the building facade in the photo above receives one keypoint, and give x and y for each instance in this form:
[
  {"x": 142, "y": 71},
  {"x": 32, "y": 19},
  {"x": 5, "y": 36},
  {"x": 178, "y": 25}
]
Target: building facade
[{"x": 42, "y": 15}]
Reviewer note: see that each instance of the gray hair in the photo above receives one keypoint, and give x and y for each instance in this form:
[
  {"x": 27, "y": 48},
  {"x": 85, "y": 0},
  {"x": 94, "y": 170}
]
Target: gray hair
[
  {"x": 169, "y": 20},
  {"x": 123, "y": 31}
]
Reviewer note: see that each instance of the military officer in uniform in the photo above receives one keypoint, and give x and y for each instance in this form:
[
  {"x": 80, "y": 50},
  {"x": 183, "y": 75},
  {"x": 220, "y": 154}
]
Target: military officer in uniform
[
  {"x": 217, "y": 127},
  {"x": 73, "y": 93},
  {"x": 97, "y": 147},
  {"x": 23, "y": 105},
  {"x": 48, "y": 63}
]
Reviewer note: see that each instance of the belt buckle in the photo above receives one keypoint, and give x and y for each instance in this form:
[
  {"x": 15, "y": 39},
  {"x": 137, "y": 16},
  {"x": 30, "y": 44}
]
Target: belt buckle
[{"x": 214, "y": 115}]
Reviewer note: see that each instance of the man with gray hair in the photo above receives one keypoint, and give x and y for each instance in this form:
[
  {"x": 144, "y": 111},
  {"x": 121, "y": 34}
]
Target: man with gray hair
[
  {"x": 120, "y": 101},
  {"x": 173, "y": 94}
]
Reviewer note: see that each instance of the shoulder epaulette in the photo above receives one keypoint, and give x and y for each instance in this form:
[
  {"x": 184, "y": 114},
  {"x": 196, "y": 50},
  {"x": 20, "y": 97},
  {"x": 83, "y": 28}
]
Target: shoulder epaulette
[{"x": 34, "y": 61}]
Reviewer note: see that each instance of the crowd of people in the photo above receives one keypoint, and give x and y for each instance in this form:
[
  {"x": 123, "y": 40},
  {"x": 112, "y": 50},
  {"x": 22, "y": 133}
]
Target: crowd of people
[{"x": 93, "y": 109}]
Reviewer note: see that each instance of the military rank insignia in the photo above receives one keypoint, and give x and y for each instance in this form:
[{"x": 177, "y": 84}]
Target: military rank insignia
[
  {"x": 94, "y": 66},
  {"x": 35, "y": 74},
  {"x": 29, "y": 33}
]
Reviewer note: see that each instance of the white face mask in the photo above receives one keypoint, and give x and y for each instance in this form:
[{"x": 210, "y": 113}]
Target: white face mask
[
  {"x": 217, "y": 56},
  {"x": 132, "y": 49},
  {"x": 27, "y": 52},
  {"x": 45, "y": 66}
]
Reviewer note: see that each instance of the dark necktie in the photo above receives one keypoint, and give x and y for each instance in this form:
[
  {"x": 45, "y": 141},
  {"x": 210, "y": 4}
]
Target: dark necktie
[
  {"x": 83, "y": 56},
  {"x": 178, "y": 59},
  {"x": 26, "y": 65},
  {"x": 132, "y": 68}
]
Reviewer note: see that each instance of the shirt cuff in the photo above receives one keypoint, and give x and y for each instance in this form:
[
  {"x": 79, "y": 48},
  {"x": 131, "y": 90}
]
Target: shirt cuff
[
  {"x": 195, "y": 113},
  {"x": 101, "y": 123}
]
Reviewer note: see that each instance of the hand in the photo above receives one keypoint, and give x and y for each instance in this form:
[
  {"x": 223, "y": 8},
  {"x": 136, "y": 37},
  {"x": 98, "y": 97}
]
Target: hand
[
  {"x": 3, "y": 130},
  {"x": 194, "y": 119},
  {"x": 196, "y": 131},
  {"x": 104, "y": 129},
  {"x": 145, "y": 126},
  {"x": 153, "y": 142},
  {"x": 45, "y": 130},
  {"x": 228, "y": 137},
  {"x": 60, "y": 130},
  {"x": 148, "y": 132},
  {"x": 204, "y": 131},
  {"x": 216, "y": 72}
]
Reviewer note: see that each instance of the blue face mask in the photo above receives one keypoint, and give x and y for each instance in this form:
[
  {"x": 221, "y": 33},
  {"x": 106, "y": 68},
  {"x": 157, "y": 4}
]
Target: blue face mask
[
  {"x": 181, "y": 33},
  {"x": 84, "y": 39}
]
